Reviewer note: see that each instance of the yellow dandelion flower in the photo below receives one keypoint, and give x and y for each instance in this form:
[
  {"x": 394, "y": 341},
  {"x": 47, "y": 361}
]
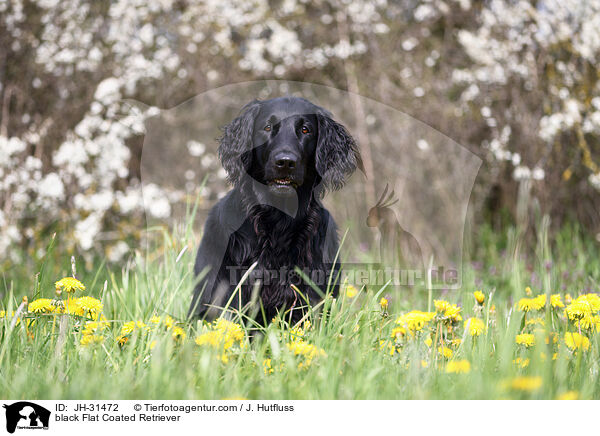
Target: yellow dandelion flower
[
  {"x": 428, "y": 341},
  {"x": 69, "y": 285},
  {"x": 128, "y": 328},
  {"x": 155, "y": 320},
  {"x": 580, "y": 313},
  {"x": 528, "y": 291},
  {"x": 92, "y": 327},
  {"x": 351, "y": 291},
  {"x": 211, "y": 338},
  {"x": 42, "y": 305},
  {"x": 453, "y": 313},
  {"x": 530, "y": 304},
  {"x": 569, "y": 395},
  {"x": 526, "y": 339},
  {"x": 306, "y": 350},
  {"x": 475, "y": 326},
  {"x": 446, "y": 352},
  {"x": 539, "y": 302},
  {"x": 525, "y": 383},
  {"x": 222, "y": 335},
  {"x": 178, "y": 334},
  {"x": 231, "y": 331},
  {"x": 415, "y": 320},
  {"x": 582, "y": 309},
  {"x": 383, "y": 303},
  {"x": 72, "y": 308},
  {"x": 449, "y": 311},
  {"x": 89, "y": 306},
  {"x": 479, "y": 297},
  {"x": 441, "y": 305},
  {"x": 458, "y": 367},
  {"x": 556, "y": 301},
  {"x": 169, "y": 322},
  {"x": 424, "y": 364},
  {"x": 587, "y": 322},
  {"x": 575, "y": 341},
  {"x": 91, "y": 339},
  {"x": 592, "y": 299}
]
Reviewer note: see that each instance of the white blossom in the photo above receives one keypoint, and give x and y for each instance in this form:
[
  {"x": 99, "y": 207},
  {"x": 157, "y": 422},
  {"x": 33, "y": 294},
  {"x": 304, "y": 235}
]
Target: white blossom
[
  {"x": 521, "y": 173},
  {"x": 156, "y": 201},
  {"x": 51, "y": 187},
  {"x": 87, "y": 230}
]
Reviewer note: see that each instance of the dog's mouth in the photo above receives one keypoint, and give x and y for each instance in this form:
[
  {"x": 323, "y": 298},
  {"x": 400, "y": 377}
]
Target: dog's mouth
[
  {"x": 283, "y": 186},
  {"x": 286, "y": 181}
]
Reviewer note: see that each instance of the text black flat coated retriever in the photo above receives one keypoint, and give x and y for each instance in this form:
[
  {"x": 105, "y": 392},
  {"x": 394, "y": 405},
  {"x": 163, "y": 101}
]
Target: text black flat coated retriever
[{"x": 281, "y": 156}]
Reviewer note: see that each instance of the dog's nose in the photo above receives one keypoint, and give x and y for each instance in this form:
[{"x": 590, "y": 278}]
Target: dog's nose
[{"x": 285, "y": 161}]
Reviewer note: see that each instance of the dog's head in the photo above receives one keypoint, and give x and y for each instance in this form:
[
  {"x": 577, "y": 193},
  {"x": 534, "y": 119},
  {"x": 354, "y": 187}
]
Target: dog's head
[{"x": 288, "y": 144}]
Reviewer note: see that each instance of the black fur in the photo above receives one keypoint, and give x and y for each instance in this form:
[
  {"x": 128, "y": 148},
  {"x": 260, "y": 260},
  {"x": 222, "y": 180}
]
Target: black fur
[{"x": 281, "y": 156}]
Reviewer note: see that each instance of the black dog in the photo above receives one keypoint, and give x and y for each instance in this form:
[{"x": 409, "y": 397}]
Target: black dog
[{"x": 281, "y": 156}]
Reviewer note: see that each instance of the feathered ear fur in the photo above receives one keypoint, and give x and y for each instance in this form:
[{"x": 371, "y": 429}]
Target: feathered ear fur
[
  {"x": 236, "y": 141},
  {"x": 337, "y": 154}
]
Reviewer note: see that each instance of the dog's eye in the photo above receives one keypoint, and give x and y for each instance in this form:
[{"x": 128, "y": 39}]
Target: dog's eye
[
  {"x": 305, "y": 130},
  {"x": 268, "y": 128}
]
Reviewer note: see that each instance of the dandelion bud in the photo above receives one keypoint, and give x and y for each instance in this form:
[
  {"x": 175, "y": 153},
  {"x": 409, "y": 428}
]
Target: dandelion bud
[
  {"x": 351, "y": 291},
  {"x": 383, "y": 303}
]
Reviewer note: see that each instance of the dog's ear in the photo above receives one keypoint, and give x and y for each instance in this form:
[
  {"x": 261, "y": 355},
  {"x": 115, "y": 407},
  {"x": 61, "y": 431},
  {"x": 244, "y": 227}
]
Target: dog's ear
[
  {"x": 236, "y": 141},
  {"x": 337, "y": 154}
]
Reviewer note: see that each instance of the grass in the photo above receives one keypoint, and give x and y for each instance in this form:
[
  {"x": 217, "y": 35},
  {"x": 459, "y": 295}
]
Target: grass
[{"x": 348, "y": 354}]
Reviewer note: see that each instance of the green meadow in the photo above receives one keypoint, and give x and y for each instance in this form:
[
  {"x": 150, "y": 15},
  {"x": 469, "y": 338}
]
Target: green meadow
[{"x": 531, "y": 331}]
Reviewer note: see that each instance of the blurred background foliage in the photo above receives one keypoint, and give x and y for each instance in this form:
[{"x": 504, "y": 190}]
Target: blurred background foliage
[{"x": 515, "y": 82}]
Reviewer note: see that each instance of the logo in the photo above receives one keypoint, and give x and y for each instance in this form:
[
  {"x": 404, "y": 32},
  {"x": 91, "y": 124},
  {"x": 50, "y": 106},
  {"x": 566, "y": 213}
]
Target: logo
[{"x": 26, "y": 415}]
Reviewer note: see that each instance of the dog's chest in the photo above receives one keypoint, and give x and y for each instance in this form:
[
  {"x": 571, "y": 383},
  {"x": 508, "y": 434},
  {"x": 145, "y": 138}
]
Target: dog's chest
[
  {"x": 274, "y": 244},
  {"x": 278, "y": 249}
]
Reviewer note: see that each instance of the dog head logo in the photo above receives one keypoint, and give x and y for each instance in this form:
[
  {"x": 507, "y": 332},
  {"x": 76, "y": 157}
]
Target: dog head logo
[
  {"x": 24, "y": 414},
  {"x": 396, "y": 245}
]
